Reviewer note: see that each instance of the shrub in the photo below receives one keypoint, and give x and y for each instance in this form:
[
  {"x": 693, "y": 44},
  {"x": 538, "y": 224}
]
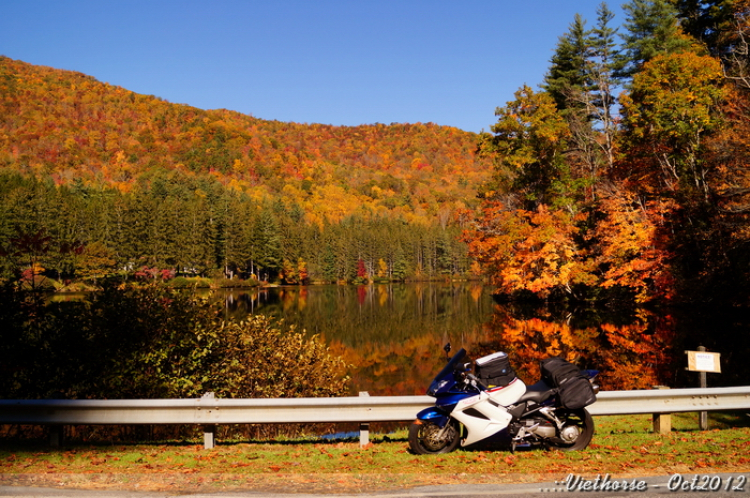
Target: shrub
[
  {"x": 260, "y": 360},
  {"x": 190, "y": 283},
  {"x": 153, "y": 342}
]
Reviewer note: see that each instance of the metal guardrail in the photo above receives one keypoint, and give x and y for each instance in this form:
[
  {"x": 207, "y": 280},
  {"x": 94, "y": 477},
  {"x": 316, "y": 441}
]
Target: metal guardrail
[
  {"x": 210, "y": 412},
  {"x": 671, "y": 400}
]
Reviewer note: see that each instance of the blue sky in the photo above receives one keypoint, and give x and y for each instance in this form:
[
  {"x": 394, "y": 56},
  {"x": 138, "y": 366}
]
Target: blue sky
[{"x": 341, "y": 62}]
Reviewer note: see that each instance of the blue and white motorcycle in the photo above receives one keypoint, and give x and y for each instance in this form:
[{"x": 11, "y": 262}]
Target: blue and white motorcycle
[{"x": 468, "y": 409}]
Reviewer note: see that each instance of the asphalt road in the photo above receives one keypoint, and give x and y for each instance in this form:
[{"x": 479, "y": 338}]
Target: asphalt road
[{"x": 675, "y": 486}]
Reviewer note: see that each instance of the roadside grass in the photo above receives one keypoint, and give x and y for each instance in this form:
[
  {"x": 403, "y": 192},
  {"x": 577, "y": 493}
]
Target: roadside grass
[{"x": 622, "y": 445}]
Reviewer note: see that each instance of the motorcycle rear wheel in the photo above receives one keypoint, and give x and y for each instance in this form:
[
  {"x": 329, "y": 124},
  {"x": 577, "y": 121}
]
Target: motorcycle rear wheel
[
  {"x": 576, "y": 420},
  {"x": 424, "y": 437}
]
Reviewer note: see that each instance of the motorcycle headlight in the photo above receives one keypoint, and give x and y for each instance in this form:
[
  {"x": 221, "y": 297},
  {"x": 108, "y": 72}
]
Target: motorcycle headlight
[{"x": 436, "y": 386}]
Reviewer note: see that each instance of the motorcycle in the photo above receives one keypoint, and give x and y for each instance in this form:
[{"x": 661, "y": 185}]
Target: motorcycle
[{"x": 550, "y": 413}]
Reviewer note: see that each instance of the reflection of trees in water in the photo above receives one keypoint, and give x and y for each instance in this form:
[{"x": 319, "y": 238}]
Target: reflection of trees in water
[
  {"x": 393, "y": 335},
  {"x": 240, "y": 303},
  {"x": 358, "y": 316},
  {"x": 634, "y": 355},
  {"x": 634, "y": 350}
]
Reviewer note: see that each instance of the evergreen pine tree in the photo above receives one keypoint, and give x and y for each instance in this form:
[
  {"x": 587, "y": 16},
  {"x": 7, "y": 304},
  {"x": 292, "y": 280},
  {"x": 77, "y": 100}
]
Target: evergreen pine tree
[
  {"x": 567, "y": 79},
  {"x": 329, "y": 264},
  {"x": 708, "y": 21},
  {"x": 267, "y": 245},
  {"x": 581, "y": 81},
  {"x": 652, "y": 29},
  {"x": 399, "y": 264}
]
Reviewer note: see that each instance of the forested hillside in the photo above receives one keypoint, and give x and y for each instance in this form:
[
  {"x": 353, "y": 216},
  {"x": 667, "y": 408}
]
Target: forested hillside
[
  {"x": 623, "y": 176},
  {"x": 96, "y": 179}
]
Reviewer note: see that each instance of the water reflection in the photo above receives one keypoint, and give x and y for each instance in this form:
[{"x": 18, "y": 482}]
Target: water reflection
[
  {"x": 392, "y": 335},
  {"x": 358, "y": 316},
  {"x": 636, "y": 355}
]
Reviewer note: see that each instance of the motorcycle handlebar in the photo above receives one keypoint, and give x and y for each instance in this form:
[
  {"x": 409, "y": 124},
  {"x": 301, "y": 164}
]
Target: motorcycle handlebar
[{"x": 476, "y": 382}]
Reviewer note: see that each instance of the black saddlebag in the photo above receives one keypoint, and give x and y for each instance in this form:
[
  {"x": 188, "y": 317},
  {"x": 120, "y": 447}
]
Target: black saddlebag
[
  {"x": 574, "y": 390},
  {"x": 494, "y": 370}
]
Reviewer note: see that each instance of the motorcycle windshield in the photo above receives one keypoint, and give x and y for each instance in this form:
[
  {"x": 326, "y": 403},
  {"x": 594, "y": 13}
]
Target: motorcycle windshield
[{"x": 447, "y": 372}]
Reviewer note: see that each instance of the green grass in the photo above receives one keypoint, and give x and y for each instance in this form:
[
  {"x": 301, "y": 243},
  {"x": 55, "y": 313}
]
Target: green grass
[{"x": 622, "y": 445}]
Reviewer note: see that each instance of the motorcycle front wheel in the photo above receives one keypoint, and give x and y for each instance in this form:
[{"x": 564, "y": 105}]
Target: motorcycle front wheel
[
  {"x": 577, "y": 431},
  {"x": 426, "y": 438}
]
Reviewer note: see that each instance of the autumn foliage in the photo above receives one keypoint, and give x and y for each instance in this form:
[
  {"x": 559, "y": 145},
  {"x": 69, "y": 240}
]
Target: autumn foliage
[
  {"x": 143, "y": 182},
  {"x": 67, "y": 126},
  {"x": 533, "y": 251},
  {"x": 648, "y": 206}
]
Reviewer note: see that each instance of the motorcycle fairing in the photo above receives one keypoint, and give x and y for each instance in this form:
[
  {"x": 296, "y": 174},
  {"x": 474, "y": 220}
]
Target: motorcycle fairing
[
  {"x": 434, "y": 415},
  {"x": 443, "y": 406},
  {"x": 447, "y": 403},
  {"x": 482, "y": 417},
  {"x": 507, "y": 395}
]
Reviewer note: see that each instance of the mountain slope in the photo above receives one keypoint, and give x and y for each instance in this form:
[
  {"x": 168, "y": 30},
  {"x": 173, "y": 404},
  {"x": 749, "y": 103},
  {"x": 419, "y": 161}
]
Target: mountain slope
[{"x": 70, "y": 127}]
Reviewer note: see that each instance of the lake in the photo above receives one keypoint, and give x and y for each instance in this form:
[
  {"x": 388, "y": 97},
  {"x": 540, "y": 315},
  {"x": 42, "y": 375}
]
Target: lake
[{"x": 393, "y": 334}]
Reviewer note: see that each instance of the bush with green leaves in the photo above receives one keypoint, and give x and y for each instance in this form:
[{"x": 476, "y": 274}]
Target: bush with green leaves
[{"x": 154, "y": 342}]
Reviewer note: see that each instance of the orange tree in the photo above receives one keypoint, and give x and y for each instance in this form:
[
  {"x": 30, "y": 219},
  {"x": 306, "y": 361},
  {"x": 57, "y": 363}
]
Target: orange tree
[
  {"x": 628, "y": 248},
  {"x": 546, "y": 252},
  {"x": 531, "y": 251}
]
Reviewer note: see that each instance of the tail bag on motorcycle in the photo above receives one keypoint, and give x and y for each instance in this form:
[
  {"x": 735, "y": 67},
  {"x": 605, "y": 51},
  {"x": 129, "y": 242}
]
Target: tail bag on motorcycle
[
  {"x": 494, "y": 370},
  {"x": 574, "y": 390}
]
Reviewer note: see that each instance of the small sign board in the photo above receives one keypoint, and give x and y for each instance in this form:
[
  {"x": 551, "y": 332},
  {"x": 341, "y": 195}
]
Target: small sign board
[{"x": 702, "y": 361}]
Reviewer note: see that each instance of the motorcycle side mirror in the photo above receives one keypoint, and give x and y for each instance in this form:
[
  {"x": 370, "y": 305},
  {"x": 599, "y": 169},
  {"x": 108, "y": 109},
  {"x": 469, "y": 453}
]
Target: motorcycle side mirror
[{"x": 447, "y": 349}]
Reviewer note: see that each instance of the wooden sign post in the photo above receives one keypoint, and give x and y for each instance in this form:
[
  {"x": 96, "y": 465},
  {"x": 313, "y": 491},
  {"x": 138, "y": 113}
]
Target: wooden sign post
[{"x": 703, "y": 362}]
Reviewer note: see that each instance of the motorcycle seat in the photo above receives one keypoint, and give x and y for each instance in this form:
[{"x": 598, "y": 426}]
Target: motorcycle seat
[{"x": 537, "y": 392}]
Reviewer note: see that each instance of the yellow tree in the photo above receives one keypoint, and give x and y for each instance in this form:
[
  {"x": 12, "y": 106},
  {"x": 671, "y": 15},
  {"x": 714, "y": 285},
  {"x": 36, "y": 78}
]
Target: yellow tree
[
  {"x": 533, "y": 251},
  {"x": 529, "y": 146},
  {"x": 672, "y": 106}
]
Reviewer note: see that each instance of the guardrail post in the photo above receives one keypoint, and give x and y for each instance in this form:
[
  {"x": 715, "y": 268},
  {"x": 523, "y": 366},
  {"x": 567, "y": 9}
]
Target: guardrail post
[
  {"x": 56, "y": 435},
  {"x": 209, "y": 436},
  {"x": 364, "y": 428},
  {"x": 703, "y": 416},
  {"x": 209, "y": 430},
  {"x": 662, "y": 421}
]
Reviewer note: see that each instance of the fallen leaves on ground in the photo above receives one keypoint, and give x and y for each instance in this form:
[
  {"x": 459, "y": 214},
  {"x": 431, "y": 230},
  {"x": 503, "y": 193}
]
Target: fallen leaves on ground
[{"x": 345, "y": 467}]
